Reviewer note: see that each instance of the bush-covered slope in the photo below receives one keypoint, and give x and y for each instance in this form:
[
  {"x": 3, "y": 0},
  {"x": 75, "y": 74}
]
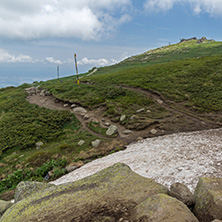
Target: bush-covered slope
[
  {"x": 170, "y": 89},
  {"x": 197, "y": 82},
  {"x": 23, "y": 124}
]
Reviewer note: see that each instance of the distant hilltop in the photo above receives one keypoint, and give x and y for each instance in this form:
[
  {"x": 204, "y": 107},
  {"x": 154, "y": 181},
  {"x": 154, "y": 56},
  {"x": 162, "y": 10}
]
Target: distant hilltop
[{"x": 203, "y": 39}]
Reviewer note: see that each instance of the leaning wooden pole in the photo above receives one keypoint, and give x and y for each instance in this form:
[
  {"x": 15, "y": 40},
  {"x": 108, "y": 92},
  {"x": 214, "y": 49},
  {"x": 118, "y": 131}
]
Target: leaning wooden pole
[{"x": 77, "y": 74}]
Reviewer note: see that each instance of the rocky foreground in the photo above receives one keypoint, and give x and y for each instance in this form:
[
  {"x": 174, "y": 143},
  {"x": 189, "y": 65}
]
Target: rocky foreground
[{"x": 115, "y": 194}]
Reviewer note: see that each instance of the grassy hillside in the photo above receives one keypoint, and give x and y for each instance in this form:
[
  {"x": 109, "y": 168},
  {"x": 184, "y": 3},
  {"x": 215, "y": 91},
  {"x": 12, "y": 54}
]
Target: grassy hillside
[
  {"x": 175, "y": 52},
  {"x": 186, "y": 72},
  {"x": 196, "y": 82},
  {"x": 171, "y": 89},
  {"x": 22, "y": 126}
]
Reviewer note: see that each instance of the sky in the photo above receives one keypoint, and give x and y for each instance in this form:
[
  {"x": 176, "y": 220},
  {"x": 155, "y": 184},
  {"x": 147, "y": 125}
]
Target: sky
[{"x": 36, "y": 36}]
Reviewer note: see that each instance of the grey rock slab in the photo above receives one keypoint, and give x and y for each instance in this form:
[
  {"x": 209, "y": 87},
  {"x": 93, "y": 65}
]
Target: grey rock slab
[
  {"x": 127, "y": 132},
  {"x": 83, "y": 199},
  {"x": 122, "y": 118},
  {"x": 96, "y": 143},
  {"x": 81, "y": 142},
  {"x": 182, "y": 193},
  {"x": 27, "y": 188},
  {"x": 79, "y": 110},
  {"x": 140, "y": 110},
  {"x": 163, "y": 208},
  {"x": 208, "y": 199},
  {"x": 112, "y": 130}
]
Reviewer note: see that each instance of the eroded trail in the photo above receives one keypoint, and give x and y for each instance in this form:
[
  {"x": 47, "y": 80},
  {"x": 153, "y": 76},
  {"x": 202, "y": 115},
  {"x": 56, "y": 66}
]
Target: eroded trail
[
  {"x": 50, "y": 102},
  {"x": 180, "y": 120},
  {"x": 173, "y": 107}
]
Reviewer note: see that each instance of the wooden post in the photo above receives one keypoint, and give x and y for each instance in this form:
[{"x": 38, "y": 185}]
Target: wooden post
[{"x": 77, "y": 75}]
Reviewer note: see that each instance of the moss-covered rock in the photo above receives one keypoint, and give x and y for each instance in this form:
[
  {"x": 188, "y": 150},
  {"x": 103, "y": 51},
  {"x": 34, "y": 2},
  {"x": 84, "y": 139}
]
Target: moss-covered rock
[
  {"x": 4, "y": 205},
  {"x": 208, "y": 195},
  {"x": 26, "y": 188},
  {"x": 182, "y": 193},
  {"x": 112, "y": 192},
  {"x": 163, "y": 208}
]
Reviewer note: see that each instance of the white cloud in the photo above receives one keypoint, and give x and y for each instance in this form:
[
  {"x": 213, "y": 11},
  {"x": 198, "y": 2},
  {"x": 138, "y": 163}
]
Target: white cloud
[
  {"x": 159, "y": 5},
  {"x": 52, "y": 60},
  {"x": 212, "y": 7},
  {"x": 96, "y": 62},
  {"x": 6, "y": 57},
  {"x": 85, "y": 19}
]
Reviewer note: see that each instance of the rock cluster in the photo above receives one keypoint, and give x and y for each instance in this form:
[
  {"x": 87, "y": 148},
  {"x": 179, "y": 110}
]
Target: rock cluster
[
  {"x": 199, "y": 41},
  {"x": 116, "y": 194}
]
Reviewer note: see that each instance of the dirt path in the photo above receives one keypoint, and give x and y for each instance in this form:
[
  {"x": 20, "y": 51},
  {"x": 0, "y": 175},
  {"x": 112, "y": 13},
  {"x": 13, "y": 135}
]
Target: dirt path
[
  {"x": 173, "y": 107},
  {"x": 50, "y": 102},
  {"x": 186, "y": 121}
]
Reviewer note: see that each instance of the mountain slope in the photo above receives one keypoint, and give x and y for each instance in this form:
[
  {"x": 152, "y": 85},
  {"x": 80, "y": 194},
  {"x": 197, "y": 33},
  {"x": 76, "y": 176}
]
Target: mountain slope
[{"x": 171, "y": 89}]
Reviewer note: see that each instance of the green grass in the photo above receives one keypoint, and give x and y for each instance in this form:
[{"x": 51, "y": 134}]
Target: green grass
[
  {"x": 11, "y": 181},
  {"x": 23, "y": 124},
  {"x": 197, "y": 82},
  {"x": 95, "y": 127},
  {"x": 115, "y": 100},
  {"x": 188, "y": 73},
  {"x": 175, "y": 52}
]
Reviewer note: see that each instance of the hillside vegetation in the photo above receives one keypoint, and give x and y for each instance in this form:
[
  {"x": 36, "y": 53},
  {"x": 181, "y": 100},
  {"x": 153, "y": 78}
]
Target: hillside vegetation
[{"x": 170, "y": 89}]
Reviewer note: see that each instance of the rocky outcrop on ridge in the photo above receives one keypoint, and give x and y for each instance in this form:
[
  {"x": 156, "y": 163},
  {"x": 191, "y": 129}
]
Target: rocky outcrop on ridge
[{"x": 112, "y": 195}]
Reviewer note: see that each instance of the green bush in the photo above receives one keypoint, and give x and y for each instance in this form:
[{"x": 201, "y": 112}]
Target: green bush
[
  {"x": 23, "y": 124},
  {"x": 11, "y": 181}
]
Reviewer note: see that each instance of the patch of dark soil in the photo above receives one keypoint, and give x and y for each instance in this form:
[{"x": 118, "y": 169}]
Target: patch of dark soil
[{"x": 8, "y": 195}]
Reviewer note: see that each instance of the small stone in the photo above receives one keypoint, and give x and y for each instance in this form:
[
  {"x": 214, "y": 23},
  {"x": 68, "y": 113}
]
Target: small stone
[
  {"x": 159, "y": 101},
  {"x": 182, "y": 193},
  {"x": 107, "y": 124},
  {"x": 81, "y": 142},
  {"x": 111, "y": 130},
  {"x": 51, "y": 173},
  {"x": 39, "y": 144},
  {"x": 86, "y": 117},
  {"x": 148, "y": 111},
  {"x": 73, "y": 105},
  {"x": 140, "y": 110},
  {"x": 73, "y": 166},
  {"x": 96, "y": 143},
  {"x": 65, "y": 105},
  {"x": 132, "y": 117},
  {"x": 139, "y": 138},
  {"x": 122, "y": 118},
  {"x": 127, "y": 132},
  {"x": 103, "y": 120},
  {"x": 79, "y": 110},
  {"x": 153, "y": 131}
]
